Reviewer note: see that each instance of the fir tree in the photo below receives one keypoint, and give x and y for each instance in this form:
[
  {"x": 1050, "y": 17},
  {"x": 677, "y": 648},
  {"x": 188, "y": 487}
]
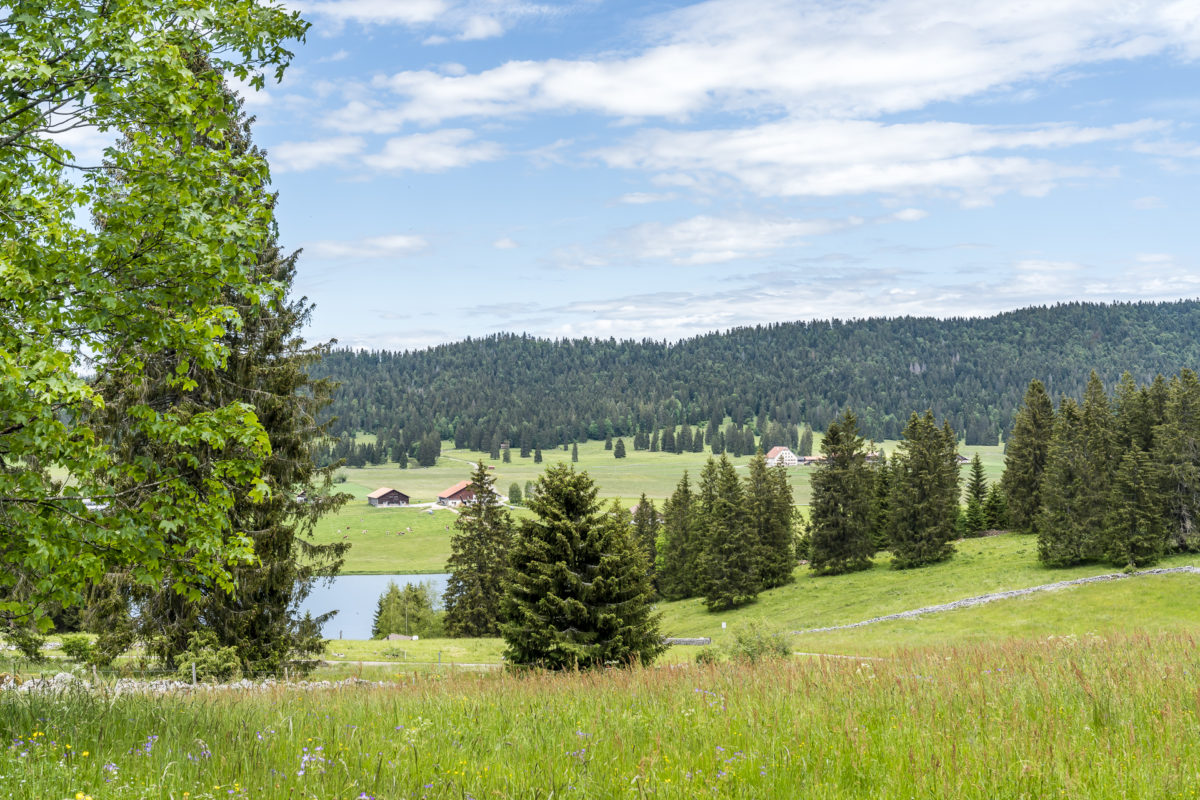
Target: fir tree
[
  {"x": 654, "y": 442},
  {"x": 975, "y": 517},
  {"x": 698, "y": 441},
  {"x": 668, "y": 439},
  {"x": 840, "y": 518},
  {"x": 728, "y": 563},
  {"x": 683, "y": 442},
  {"x": 409, "y": 612},
  {"x": 574, "y": 452},
  {"x": 678, "y": 545},
  {"x": 619, "y": 449},
  {"x": 1100, "y": 458},
  {"x": 578, "y": 593},
  {"x": 507, "y": 455},
  {"x": 478, "y": 559},
  {"x": 1025, "y": 456},
  {"x": 771, "y": 513},
  {"x": 494, "y": 453},
  {"x": 537, "y": 455},
  {"x": 514, "y": 494},
  {"x": 881, "y": 538},
  {"x": 608, "y": 442},
  {"x": 924, "y": 494}
]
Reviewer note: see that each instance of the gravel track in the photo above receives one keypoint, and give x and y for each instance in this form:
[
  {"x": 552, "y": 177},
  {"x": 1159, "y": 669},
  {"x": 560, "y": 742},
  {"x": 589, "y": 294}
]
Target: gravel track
[{"x": 988, "y": 598}]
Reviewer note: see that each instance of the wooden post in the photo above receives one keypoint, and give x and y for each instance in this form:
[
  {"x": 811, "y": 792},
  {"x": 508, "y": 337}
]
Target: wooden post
[{"x": 193, "y": 673}]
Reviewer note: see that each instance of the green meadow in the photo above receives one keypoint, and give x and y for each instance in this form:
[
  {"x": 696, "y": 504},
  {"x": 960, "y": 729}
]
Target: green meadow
[
  {"x": 377, "y": 545},
  {"x": 1091, "y": 716}
]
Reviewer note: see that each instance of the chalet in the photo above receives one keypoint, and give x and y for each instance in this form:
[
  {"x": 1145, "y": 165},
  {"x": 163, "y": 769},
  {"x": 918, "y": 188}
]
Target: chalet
[
  {"x": 781, "y": 455},
  {"x": 384, "y": 497},
  {"x": 808, "y": 461},
  {"x": 457, "y": 494}
]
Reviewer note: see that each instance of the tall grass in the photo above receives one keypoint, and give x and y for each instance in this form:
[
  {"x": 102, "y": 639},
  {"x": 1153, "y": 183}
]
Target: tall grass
[{"x": 1059, "y": 717}]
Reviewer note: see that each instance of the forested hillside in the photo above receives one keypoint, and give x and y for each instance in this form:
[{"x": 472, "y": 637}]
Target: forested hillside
[{"x": 542, "y": 393}]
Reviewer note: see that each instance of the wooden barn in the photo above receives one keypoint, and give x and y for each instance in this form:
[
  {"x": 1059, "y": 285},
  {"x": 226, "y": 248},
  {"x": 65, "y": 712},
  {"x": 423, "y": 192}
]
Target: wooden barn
[
  {"x": 457, "y": 494},
  {"x": 385, "y": 497}
]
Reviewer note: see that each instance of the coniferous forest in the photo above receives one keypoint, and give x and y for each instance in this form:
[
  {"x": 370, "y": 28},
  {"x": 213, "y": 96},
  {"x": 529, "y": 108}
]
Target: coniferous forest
[{"x": 971, "y": 372}]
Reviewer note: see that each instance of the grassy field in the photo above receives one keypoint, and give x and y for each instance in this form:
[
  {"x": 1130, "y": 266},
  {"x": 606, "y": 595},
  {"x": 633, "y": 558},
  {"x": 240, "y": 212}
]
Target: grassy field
[
  {"x": 377, "y": 547},
  {"x": 1073, "y": 717}
]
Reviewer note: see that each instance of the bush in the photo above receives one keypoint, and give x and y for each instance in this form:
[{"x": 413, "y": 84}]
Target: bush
[
  {"x": 211, "y": 661},
  {"x": 27, "y": 641},
  {"x": 78, "y": 648},
  {"x": 752, "y": 643}
]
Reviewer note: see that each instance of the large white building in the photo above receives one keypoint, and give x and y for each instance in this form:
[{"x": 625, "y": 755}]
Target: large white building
[{"x": 781, "y": 455}]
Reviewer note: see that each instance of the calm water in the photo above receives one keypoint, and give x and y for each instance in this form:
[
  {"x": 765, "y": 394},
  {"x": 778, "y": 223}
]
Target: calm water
[{"x": 355, "y": 598}]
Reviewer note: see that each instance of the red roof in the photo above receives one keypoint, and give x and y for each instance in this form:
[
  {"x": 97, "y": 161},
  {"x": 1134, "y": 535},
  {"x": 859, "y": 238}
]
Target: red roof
[
  {"x": 775, "y": 451},
  {"x": 453, "y": 490}
]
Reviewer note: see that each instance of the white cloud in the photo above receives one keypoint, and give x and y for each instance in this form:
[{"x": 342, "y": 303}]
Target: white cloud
[
  {"x": 642, "y": 198},
  {"x": 302, "y": 156},
  {"x": 1149, "y": 203},
  {"x": 505, "y": 244},
  {"x": 376, "y": 12},
  {"x": 841, "y": 157},
  {"x": 711, "y": 240},
  {"x": 393, "y": 246},
  {"x": 480, "y": 27},
  {"x": 433, "y": 152},
  {"x": 813, "y": 59}
]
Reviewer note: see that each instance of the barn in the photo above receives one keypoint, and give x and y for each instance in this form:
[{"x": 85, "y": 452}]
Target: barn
[
  {"x": 457, "y": 494},
  {"x": 385, "y": 497}
]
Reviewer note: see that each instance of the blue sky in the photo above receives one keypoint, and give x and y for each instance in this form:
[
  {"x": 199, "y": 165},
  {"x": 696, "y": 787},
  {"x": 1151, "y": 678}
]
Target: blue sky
[{"x": 461, "y": 167}]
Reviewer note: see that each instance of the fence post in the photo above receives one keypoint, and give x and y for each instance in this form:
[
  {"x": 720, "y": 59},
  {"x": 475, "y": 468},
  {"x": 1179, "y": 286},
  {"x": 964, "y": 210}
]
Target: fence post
[
  {"x": 439, "y": 656},
  {"x": 193, "y": 673},
  {"x": 285, "y": 675}
]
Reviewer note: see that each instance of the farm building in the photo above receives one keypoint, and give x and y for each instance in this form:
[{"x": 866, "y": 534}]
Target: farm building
[
  {"x": 384, "y": 497},
  {"x": 781, "y": 455},
  {"x": 457, "y": 494}
]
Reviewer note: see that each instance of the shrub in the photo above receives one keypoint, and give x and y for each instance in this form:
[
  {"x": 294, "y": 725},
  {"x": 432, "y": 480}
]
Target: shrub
[
  {"x": 27, "y": 641},
  {"x": 751, "y": 643},
  {"x": 78, "y": 648},
  {"x": 211, "y": 661}
]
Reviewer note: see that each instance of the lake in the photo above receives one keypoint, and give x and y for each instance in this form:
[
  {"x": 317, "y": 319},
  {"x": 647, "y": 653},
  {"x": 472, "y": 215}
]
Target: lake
[{"x": 355, "y": 598}]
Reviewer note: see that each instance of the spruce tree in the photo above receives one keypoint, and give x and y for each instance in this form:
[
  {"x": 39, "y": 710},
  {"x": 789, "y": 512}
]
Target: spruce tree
[
  {"x": 1100, "y": 458},
  {"x": 1177, "y": 452},
  {"x": 578, "y": 594},
  {"x": 771, "y": 513},
  {"x": 408, "y": 612},
  {"x": 728, "y": 563},
  {"x": 654, "y": 441},
  {"x": 514, "y": 493},
  {"x": 619, "y": 449},
  {"x": 975, "y": 516},
  {"x": 1061, "y": 534},
  {"x": 841, "y": 510},
  {"x": 668, "y": 439},
  {"x": 923, "y": 502},
  {"x": 806, "y": 441},
  {"x": 645, "y": 530},
  {"x": 574, "y": 452},
  {"x": 881, "y": 537},
  {"x": 678, "y": 546},
  {"x": 608, "y": 442},
  {"x": 1134, "y": 534},
  {"x": 478, "y": 559},
  {"x": 507, "y": 455},
  {"x": 995, "y": 509},
  {"x": 683, "y": 442},
  {"x": 1025, "y": 455},
  {"x": 698, "y": 441},
  {"x": 537, "y": 455}
]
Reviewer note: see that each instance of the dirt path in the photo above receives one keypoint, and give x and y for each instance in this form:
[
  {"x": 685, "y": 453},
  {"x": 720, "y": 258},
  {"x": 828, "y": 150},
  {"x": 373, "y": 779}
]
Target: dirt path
[{"x": 988, "y": 598}]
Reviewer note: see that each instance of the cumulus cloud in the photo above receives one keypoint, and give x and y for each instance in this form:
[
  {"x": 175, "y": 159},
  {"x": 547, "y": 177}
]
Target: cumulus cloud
[
  {"x": 433, "y": 152},
  {"x": 464, "y": 20},
  {"x": 303, "y": 156},
  {"x": 374, "y": 247}
]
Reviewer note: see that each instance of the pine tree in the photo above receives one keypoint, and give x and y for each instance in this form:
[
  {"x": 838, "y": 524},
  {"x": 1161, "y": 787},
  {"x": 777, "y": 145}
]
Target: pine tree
[
  {"x": 478, "y": 559},
  {"x": 678, "y": 545},
  {"x": 771, "y": 513},
  {"x": 728, "y": 563},
  {"x": 924, "y": 498},
  {"x": 608, "y": 442},
  {"x": 1025, "y": 456},
  {"x": 578, "y": 593},
  {"x": 683, "y": 442},
  {"x": 1134, "y": 534},
  {"x": 840, "y": 517},
  {"x": 494, "y": 452},
  {"x": 619, "y": 449},
  {"x": 574, "y": 452},
  {"x": 507, "y": 455},
  {"x": 1061, "y": 534},
  {"x": 698, "y": 441},
  {"x": 654, "y": 442},
  {"x": 975, "y": 517}
]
